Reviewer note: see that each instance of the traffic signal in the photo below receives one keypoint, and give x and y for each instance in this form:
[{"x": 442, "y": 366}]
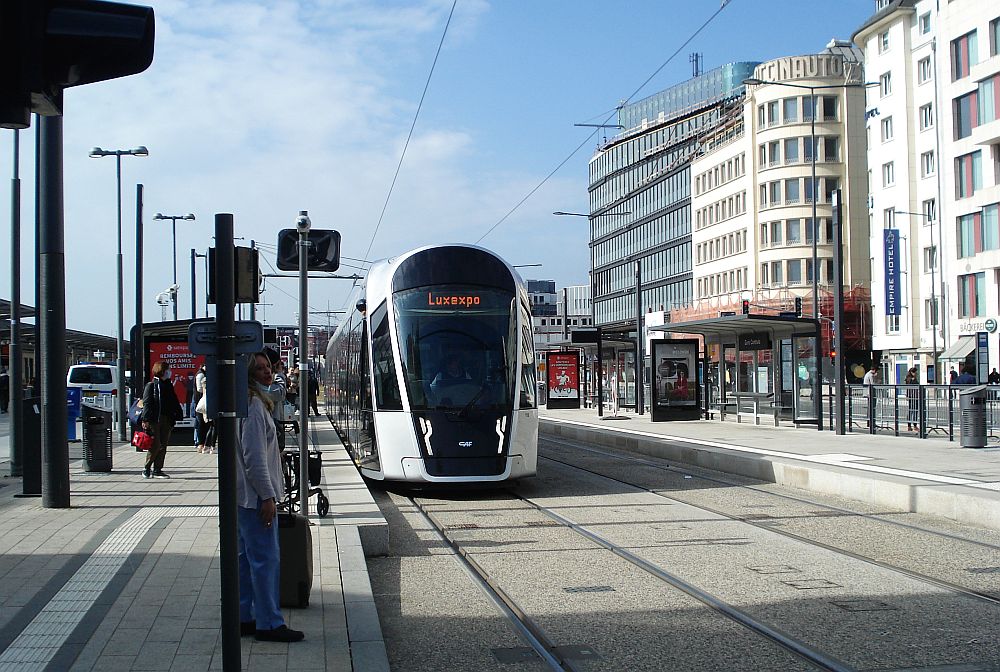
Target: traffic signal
[
  {"x": 798, "y": 306},
  {"x": 50, "y": 45},
  {"x": 324, "y": 250},
  {"x": 746, "y": 306},
  {"x": 833, "y": 356}
]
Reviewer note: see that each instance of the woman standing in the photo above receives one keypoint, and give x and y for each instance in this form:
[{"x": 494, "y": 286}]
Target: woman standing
[
  {"x": 912, "y": 400},
  {"x": 160, "y": 410},
  {"x": 259, "y": 486}
]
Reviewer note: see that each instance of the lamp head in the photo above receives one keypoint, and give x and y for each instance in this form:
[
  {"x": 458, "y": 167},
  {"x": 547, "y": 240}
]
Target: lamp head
[
  {"x": 189, "y": 216},
  {"x": 96, "y": 153},
  {"x": 158, "y": 216},
  {"x": 753, "y": 81},
  {"x": 139, "y": 151},
  {"x": 302, "y": 222}
]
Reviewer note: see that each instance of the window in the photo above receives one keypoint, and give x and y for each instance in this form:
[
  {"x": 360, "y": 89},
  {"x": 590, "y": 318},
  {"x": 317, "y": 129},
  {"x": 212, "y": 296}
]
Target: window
[
  {"x": 892, "y": 324},
  {"x": 930, "y": 312},
  {"x": 886, "y": 129},
  {"x": 991, "y": 227},
  {"x": 924, "y": 70},
  {"x": 792, "y": 191},
  {"x": 930, "y": 258},
  {"x": 772, "y": 113},
  {"x": 793, "y": 232},
  {"x": 885, "y": 84},
  {"x": 792, "y": 150},
  {"x": 924, "y": 23},
  {"x": 774, "y": 193},
  {"x": 775, "y": 233},
  {"x": 995, "y": 37},
  {"x": 883, "y": 42},
  {"x": 790, "y": 110},
  {"x": 970, "y": 235},
  {"x": 926, "y": 116},
  {"x": 929, "y": 208},
  {"x": 794, "y": 271},
  {"x": 831, "y": 148},
  {"x": 966, "y": 114},
  {"x": 988, "y": 99},
  {"x": 777, "y": 277},
  {"x": 807, "y": 108},
  {"x": 968, "y": 174},
  {"x": 387, "y": 397},
  {"x": 889, "y": 218},
  {"x": 774, "y": 153},
  {"x": 888, "y": 174},
  {"x": 964, "y": 54},
  {"x": 829, "y": 107},
  {"x": 927, "y": 163},
  {"x": 971, "y": 294}
]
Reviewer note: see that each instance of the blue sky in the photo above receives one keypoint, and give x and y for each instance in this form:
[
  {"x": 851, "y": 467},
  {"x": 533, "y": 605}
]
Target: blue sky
[{"x": 263, "y": 109}]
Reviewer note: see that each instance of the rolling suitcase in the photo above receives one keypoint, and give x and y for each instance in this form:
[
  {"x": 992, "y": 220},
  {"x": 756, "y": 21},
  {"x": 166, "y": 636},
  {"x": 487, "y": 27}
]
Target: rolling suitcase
[{"x": 295, "y": 542}]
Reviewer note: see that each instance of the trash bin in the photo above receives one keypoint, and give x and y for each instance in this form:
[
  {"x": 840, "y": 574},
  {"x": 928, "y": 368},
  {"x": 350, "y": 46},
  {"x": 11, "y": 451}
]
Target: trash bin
[
  {"x": 96, "y": 438},
  {"x": 972, "y": 414},
  {"x": 31, "y": 445}
]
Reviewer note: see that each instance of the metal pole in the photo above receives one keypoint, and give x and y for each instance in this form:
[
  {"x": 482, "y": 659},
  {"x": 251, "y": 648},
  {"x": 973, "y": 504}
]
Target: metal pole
[
  {"x": 817, "y": 399},
  {"x": 120, "y": 337},
  {"x": 838, "y": 312},
  {"x": 303, "y": 363},
  {"x": 173, "y": 234},
  {"x": 52, "y": 318},
  {"x": 253, "y": 306},
  {"x": 194, "y": 289},
  {"x": 14, "y": 352},
  {"x": 565, "y": 316},
  {"x": 600, "y": 375},
  {"x": 934, "y": 310},
  {"x": 638, "y": 339},
  {"x": 226, "y": 424},
  {"x": 138, "y": 343}
]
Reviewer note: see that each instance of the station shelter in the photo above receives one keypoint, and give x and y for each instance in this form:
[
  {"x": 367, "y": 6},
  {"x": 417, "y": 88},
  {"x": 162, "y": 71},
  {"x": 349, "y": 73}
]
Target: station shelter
[{"x": 757, "y": 366}]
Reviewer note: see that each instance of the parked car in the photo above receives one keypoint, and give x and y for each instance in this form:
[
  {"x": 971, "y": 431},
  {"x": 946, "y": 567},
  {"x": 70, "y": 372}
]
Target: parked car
[{"x": 93, "y": 380}]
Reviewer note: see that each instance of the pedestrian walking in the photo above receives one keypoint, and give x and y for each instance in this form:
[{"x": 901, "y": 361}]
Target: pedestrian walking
[
  {"x": 952, "y": 376},
  {"x": 160, "y": 411},
  {"x": 200, "y": 429},
  {"x": 4, "y": 390},
  {"x": 259, "y": 486},
  {"x": 966, "y": 377},
  {"x": 912, "y": 400},
  {"x": 276, "y": 392}
]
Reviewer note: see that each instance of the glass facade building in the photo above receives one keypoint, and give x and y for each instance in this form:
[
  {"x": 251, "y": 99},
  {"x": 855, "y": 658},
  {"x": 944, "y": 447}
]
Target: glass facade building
[{"x": 640, "y": 195}]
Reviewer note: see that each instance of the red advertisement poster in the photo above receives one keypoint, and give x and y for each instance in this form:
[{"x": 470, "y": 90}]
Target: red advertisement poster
[
  {"x": 183, "y": 367},
  {"x": 564, "y": 380}
]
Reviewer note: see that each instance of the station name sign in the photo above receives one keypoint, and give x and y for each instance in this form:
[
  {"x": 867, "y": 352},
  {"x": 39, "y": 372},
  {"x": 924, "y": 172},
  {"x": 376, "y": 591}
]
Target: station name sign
[{"x": 755, "y": 341}]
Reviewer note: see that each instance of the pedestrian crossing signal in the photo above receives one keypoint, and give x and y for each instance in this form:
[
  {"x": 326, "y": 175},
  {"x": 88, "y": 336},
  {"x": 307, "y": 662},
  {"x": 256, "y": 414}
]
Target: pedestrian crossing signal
[{"x": 746, "y": 306}]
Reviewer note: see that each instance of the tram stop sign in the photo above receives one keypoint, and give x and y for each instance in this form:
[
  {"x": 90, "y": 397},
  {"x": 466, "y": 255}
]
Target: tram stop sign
[{"x": 203, "y": 340}]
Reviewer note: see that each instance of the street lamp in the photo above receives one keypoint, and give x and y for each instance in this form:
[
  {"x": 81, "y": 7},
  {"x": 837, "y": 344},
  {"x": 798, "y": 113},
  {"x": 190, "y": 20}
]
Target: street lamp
[
  {"x": 173, "y": 230},
  {"x": 593, "y": 309},
  {"x": 934, "y": 307},
  {"x": 97, "y": 153}
]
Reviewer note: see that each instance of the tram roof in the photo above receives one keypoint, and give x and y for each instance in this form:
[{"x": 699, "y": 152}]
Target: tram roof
[{"x": 779, "y": 326}]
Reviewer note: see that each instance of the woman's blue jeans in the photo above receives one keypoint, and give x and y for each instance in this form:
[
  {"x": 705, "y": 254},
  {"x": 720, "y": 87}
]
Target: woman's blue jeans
[{"x": 260, "y": 586}]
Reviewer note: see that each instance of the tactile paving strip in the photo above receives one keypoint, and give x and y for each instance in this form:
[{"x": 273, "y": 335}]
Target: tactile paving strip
[{"x": 42, "y": 638}]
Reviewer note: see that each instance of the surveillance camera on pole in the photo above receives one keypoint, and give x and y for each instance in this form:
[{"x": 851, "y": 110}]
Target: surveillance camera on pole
[{"x": 302, "y": 225}]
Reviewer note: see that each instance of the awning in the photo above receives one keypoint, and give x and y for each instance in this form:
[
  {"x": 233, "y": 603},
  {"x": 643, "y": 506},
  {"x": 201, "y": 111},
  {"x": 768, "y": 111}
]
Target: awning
[
  {"x": 960, "y": 349},
  {"x": 732, "y": 326}
]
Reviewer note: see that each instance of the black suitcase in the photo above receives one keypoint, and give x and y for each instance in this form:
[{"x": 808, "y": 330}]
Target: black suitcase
[{"x": 295, "y": 541}]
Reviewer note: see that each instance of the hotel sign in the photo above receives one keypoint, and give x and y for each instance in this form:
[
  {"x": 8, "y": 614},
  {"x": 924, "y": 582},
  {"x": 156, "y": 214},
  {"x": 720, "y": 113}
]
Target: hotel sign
[
  {"x": 816, "y": 66},
  {"x": 892, "y": 280}
]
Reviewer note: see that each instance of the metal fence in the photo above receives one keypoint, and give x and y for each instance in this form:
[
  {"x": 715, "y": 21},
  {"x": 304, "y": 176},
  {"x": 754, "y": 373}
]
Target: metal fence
[{"x": 892, "y": 409}]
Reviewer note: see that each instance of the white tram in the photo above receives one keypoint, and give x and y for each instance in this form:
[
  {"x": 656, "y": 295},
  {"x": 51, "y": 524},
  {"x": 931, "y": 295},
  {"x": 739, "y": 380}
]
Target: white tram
[{"x": 431, "y": 376}]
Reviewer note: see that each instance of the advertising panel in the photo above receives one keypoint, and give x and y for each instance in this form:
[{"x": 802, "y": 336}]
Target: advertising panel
[
  {"x": 564, "y": 379},
  {"x": 676, "y": 393},
  {"x": 183, "y": 368}
]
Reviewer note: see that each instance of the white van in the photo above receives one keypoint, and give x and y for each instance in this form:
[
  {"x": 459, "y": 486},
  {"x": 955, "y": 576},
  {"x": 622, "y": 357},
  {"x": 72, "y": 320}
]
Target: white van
[{"x": 93, "y": 380}]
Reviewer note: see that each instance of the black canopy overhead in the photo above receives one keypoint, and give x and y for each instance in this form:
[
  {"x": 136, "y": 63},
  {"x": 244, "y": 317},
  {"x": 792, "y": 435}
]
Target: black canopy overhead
[{"x": 733, "y": 326}]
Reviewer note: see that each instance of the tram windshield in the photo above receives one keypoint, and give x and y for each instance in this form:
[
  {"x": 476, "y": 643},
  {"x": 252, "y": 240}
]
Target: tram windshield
[{"x": 457, "y": 350}]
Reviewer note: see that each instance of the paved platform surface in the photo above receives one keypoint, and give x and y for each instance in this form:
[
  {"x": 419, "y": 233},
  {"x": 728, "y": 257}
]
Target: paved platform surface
[
  {"x": 128, "y": 577},
  {"x": 907, "y": 474}
]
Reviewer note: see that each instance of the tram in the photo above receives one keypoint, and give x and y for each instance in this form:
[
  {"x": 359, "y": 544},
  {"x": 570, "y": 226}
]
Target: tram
[{"x": 431, "y": 376}]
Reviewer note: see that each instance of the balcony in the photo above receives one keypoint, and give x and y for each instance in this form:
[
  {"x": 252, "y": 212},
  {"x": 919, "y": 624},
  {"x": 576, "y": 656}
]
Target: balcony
[{"x": 987, "y": 134}]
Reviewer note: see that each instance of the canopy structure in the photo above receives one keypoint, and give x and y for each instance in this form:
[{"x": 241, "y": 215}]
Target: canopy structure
[
  {"x": 959, "y": 350},
  {"x": 785, "y": 379}
]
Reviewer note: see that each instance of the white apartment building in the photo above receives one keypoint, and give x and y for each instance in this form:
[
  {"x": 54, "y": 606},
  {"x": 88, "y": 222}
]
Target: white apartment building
[
  {"x": 571, "y": 311},
  {"x": 933, "y": 141},
  {"x": 753, "y": 190}
]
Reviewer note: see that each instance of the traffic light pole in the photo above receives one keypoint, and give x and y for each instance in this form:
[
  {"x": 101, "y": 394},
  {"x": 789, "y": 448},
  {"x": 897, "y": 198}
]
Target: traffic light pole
[{"x": 838, "y": 312}]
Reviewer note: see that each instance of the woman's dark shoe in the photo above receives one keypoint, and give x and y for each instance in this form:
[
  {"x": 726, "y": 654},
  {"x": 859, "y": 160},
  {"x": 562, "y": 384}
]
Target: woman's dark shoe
[
  {"x": 248, "y": 628},
  {"x": 280, "y": 634}
]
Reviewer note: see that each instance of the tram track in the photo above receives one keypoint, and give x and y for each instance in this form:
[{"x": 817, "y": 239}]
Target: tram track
[
  {"x": 535, "y": 636},
  {"x": 935, "y": 581},
  {"x": 787, "y": 497}
]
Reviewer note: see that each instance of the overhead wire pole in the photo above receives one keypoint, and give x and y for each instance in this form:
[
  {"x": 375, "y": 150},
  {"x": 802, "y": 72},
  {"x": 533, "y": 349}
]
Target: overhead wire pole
[
  {"x": 303, "y": 224},
  {"x": 14, "y": 351}
]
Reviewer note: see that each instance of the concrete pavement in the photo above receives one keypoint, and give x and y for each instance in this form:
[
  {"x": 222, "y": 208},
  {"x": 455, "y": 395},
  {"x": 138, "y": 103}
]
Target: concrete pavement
[
  {"x": 907, "y": 474},
  {"x": 128, "y": 578}
]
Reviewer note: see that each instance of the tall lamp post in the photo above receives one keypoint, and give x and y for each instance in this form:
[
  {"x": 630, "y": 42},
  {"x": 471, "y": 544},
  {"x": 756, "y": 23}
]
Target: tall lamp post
[
  {"x": 97, "y": 153},
  {"x": 593, "y": 306},
  {"x": 934, "y": 304},
  {"x": 173, "y": 232}
]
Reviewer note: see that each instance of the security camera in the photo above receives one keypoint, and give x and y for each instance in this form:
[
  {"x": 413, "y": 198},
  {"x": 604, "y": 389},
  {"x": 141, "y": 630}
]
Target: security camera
[
  {"x": 173, "y": 288},
  {"x": 302, "y": 222}
]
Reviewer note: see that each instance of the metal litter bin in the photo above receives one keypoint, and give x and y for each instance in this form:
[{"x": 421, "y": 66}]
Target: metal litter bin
[
  {"x": 972, "y": 423},
  {"x": 96, "y": 438}
]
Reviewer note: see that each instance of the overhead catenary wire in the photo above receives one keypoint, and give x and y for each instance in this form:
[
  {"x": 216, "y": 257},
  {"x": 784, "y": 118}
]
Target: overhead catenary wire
[
  {"x": 409, "y": 135},
  {"x": 625, "y": 101}
]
